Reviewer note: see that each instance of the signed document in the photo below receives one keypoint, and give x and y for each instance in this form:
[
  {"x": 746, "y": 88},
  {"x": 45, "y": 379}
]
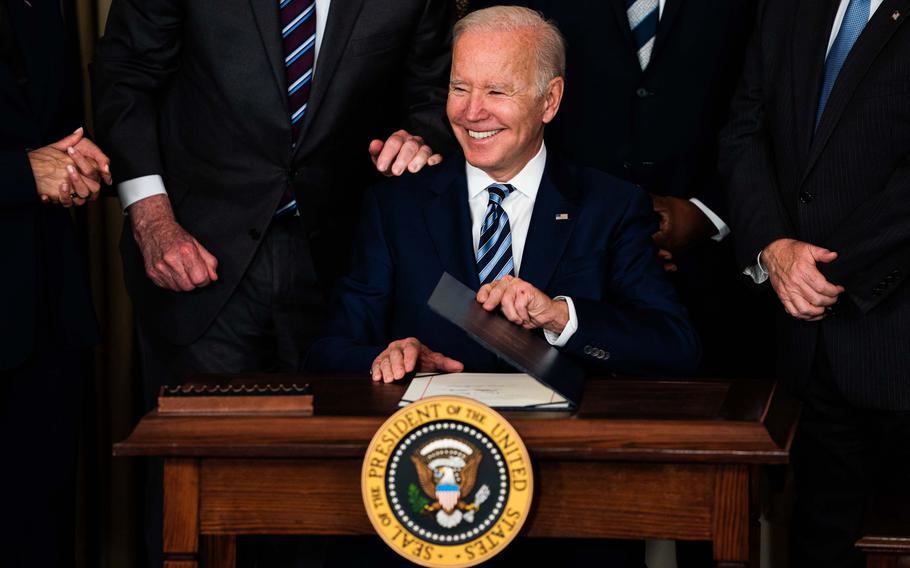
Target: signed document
[{"x": 497, "y": 390}]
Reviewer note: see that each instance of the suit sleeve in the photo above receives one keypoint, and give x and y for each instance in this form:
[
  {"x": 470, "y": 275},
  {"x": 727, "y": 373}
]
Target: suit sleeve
[
  {"x": 427, "y": 76},
  {"x": 134, "y": 61},
  {"x": 18, "y": 180},
  {"x": 357, "y": 330},
  {"x": 873, "y": 243},
  {"x": 641, "y": 328},
  {"x": 756, "y": 213}
]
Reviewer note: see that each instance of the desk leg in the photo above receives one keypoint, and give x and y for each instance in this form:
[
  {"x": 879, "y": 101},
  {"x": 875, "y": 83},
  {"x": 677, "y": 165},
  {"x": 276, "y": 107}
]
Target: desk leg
[
  {"x": 733, "y": 530},
  {"x": 181, "y": 513},
  {"x": 220, "y": 551}
]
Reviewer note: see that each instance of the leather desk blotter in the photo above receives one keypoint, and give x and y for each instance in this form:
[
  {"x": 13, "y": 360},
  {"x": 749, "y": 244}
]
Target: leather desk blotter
[{"x": 235, "y": 395}]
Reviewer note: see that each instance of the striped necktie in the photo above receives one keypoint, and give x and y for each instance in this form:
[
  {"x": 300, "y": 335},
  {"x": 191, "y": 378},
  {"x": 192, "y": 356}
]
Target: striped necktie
[
  {"x": 643, "y": 15},
  {"x": 298, "y": 35},
  {"x": 854, "y": 21},
  {"x": 494, "y": 250}
]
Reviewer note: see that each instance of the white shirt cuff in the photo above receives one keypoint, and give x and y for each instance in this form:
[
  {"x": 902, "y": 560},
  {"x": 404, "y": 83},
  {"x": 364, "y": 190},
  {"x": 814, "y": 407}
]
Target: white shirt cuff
[
  {"x": 757, "y": 272},
  {"x": 568, "y": 331},
  {"x": 722, "y": 229},
  {"x": 137, "y": 189}
]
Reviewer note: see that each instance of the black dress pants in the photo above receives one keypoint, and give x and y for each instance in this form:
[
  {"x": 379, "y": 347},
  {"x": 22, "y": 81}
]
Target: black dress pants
[
  {"x": 843, "y": 456},
  {"x": 267, "y": 325}
]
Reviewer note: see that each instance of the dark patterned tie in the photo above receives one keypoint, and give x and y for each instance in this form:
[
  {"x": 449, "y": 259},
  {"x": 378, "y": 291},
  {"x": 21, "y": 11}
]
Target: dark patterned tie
[
  {"x": 643, "y": 15},
  {"x": 298, "y": 34},
  {"x": 494, "y": 250},
  {"x": 854, "y": 21}
]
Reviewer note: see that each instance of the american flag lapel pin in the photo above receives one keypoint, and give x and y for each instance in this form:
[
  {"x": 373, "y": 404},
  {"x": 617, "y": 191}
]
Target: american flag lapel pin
[
  {"x": 896, "y": 15},
  {"x": 27, "y": 3},
  {"x": 562, "y": 216}
]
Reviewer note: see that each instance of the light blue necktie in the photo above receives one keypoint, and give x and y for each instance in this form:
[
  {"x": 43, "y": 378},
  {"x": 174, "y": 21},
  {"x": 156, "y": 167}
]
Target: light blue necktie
[
  {"x": 854, "y": 21},
  {"x": 643, "y": 15},
  {"x": 494, "y": 250}
]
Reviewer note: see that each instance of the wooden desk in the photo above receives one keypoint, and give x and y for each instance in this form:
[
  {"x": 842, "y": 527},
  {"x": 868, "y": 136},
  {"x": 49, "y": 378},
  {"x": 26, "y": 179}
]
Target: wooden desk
[
  {"x": 886, "y": 539},
  {"x": 642, "y": 458}
]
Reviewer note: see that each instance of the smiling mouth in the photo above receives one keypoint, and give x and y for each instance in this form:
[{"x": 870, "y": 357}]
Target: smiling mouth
[{"x": 482, "y": 135}]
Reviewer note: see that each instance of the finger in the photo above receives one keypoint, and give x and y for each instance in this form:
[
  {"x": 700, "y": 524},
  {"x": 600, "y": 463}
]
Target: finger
[
  {"x": 211, "y": 263},
  {"x": 420, "y": 160},
  {"x": 507, "y": 306},
  {"x": 83, "y": 187},
  {"x": 818, "y": 283},
  {"x": 670, "y": 267},
  {"x": 375, "y": 371},
  {"x": 411, "y": 351},
  {"x": 804, "y": 309},
  {"x": 65, "y": 195},
  {"x": 386, "y": 367},
  {"x": 495, "y": 297},
  {"x": 87, "y": 167},
  {"x": 94, "y": 153},
  {"x": 396, "y": 358},
  {"x": 821, "y": 254},
  {"x": 408, "y": 152},
  {"x": 445, "y": 364},
  {"x": 664, "y": 254},
  {"x": 375, "y": 148},
  {"x": 434, "y": 160},
  {"x": 522, "y": 297},
  {"x": 196, "y": 270},
  {"x": 175, "y": 263},
  {"x": 389, "y": 150},
  {"x": 68, "y": 141},
  {"x": 483, "y": 293}
]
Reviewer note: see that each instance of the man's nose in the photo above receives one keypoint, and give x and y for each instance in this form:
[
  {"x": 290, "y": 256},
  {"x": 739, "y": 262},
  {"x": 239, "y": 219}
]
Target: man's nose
[{"x": 476, "y": 110}]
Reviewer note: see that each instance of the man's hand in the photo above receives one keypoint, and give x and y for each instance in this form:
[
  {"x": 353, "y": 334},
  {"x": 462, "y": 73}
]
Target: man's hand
[
  {"x": 682, "y": 224},
  {"x": 523, "y": 304},
  {"x": 802, "y": 289},
  {"x": 173, "y": 258},
  {"x": 406, "y": 355},
  {"x": 90, "y": 160},
  {"x": 402, "y": 151},
  {"x": 56, "y": 177}
]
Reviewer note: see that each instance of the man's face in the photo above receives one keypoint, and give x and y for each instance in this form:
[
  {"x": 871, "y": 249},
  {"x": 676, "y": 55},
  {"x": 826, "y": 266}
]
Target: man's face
[{"x": 493, "y": 104}]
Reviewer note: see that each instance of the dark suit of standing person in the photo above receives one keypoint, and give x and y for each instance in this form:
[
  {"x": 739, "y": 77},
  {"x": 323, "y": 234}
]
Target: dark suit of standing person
[
  {"x": 240, "y": 132},
  {"x": 646, "y": 105},
  {"x": 817, "y": 160},
  {"x": 47, "y": 324}
]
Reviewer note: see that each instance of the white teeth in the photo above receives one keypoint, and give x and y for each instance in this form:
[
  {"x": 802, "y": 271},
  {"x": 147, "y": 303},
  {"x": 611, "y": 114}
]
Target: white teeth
[{"x": 482, "y": 135}]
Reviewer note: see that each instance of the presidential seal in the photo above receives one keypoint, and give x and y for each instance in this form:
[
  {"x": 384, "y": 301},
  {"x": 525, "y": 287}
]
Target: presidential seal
[{"x": 446, "y": 481}]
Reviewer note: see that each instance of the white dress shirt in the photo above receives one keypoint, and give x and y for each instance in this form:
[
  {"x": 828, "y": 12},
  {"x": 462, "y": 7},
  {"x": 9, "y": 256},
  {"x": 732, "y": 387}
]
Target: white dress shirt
[
  {"x": 757, "y": 271},
  {"x": 136, "y": 189},
  {"x": 519, "y": 205}
]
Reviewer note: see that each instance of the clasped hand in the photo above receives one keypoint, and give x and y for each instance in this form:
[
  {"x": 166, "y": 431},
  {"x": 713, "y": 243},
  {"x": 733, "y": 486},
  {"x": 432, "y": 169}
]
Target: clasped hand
[
  {"x": 69, "y": 172},
  {"x": 802, "y": 289},
  {"x": 519, "y": 301}
]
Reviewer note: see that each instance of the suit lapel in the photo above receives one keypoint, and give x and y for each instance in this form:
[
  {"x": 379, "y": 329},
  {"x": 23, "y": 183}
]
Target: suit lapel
[
  {"x": 867, "y": 47},
  {"x": 448, "y": 220},
  {"x": 812, "y": 27},
  {"x": 671, "y": 9},
  {"x": 338, "y": 27},
  {"x": 622, "y": 23},
  {"x": 268, "y": 20},
  {"x": 547, "y": 235}
]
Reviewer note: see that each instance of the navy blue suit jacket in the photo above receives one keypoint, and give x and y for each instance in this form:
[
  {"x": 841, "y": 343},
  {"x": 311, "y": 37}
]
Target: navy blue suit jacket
[{"x": 417, "y": 226}]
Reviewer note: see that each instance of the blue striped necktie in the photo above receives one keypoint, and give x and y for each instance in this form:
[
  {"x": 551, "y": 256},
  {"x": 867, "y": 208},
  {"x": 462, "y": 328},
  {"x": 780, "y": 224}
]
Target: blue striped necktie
[
  {"x": 643, "y": 15},
  {"x": 298, "y": 35},
  {"x": 854, "y": 21},
  {"x": 494, "y": 250}
]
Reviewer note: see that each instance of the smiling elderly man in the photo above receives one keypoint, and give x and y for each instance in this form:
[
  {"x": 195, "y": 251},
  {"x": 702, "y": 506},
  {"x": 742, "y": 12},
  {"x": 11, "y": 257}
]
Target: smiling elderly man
[{"x": 564, "y": 250}]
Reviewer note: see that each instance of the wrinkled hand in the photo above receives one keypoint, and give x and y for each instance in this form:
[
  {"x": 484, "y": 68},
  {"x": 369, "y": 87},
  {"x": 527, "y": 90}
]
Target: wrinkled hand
[
  {"x": 802, "y": 289},
  {"x": 406, "y": 355},
  {"x": 63, "y": 175},
  {"x": 90, "y": 160},
  {"x": 174, "y": 260},
  {"x": 402, "y": 151},
  {"x": 523, "y": 304},
  {"x": 682, "y": 224}
]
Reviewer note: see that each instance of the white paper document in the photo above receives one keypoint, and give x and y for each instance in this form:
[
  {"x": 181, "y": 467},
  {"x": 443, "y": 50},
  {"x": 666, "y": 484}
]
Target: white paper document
[{"x": 497, "y": 390}]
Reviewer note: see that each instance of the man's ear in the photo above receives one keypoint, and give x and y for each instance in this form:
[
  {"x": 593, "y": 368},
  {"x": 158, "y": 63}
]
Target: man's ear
[{"x": 552, "y": 98}]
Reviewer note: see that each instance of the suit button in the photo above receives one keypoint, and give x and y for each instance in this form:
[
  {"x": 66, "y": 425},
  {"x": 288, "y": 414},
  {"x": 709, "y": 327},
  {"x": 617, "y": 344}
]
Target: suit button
[
  {"x": 642, "y": 92},
  {"x": 896, "y": 273},
  {"x": 606, "y": 355},
  {"x": 255, "y": 234},
  {"x": 587, "y": 350},
  {"x": 806, "y": 197}
]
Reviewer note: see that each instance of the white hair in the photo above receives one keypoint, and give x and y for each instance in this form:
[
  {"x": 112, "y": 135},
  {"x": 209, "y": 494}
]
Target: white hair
[{"x": 548, "y": 44}]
